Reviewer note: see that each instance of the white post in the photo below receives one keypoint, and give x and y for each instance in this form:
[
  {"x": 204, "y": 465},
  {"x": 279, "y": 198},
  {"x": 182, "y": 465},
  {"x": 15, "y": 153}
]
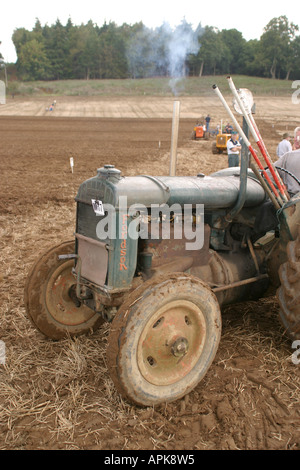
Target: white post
[
  {"x": 2, "y": 92},
  {"x": 175, "y": 128},
  {"x": 72, "y": 163}
]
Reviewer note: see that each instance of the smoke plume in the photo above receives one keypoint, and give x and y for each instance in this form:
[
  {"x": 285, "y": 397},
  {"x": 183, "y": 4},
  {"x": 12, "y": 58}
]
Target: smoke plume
[
  {"x": 163, "y": 52},
  {"x": 182, "y": 42}
]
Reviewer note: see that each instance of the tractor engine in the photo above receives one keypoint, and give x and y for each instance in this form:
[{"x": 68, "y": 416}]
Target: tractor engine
[{"x": 130, "y": 229}]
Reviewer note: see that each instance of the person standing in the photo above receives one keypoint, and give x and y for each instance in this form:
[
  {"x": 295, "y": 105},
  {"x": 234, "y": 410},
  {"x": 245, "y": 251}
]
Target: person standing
[
  {"x": 289, "y": 169},
  {"x": 233, "y": 150},
  {"x": 228, "y": 128},
  {"x": 284, "y": 146},
  {"x": 207, "y": 120},
  {"x": 296, "y": 145}
]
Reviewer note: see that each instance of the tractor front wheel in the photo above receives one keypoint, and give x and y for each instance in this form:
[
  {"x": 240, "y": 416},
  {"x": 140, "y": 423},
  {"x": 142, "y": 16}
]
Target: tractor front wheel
[
  {"x": 164, "y": 339},
  {"x": 50, "y": 297}
]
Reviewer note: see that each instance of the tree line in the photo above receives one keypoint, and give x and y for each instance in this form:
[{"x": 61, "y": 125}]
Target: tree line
[{"x": 89, "y": 51}]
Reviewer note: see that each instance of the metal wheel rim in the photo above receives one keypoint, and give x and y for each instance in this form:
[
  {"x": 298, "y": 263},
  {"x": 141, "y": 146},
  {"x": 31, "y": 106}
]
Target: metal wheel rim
[
  {"x": 58, "y": 303},
  {"x": 171, "y": 343}
]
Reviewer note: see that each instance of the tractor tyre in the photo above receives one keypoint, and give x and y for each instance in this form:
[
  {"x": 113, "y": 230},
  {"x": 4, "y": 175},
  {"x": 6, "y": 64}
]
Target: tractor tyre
[
  {"x": 288, "y": 293},
  {"x": 50, "y": 298},
  {"x": 193, "y": 136},
  {"x": 163, "y": 339}
]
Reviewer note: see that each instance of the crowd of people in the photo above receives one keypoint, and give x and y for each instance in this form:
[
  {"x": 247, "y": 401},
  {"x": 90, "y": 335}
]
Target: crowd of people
[
  {"x": 288, "y": 153},
  {"x": 288, "y": 163},
  {"x": 288, "y": 168}
]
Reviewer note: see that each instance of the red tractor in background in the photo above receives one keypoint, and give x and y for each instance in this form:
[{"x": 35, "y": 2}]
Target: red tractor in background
[{"x": 199, "y": 132}]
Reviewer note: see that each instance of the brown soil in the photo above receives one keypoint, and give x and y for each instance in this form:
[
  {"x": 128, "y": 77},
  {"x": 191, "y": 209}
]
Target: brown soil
[{"x": 59, "y": 395}]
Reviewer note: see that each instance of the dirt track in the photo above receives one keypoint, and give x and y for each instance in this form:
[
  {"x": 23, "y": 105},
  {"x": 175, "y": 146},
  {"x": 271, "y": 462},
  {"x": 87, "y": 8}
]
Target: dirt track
[
  {"x": 59, "y": 395},
  {"x": 274, "y": 109}
]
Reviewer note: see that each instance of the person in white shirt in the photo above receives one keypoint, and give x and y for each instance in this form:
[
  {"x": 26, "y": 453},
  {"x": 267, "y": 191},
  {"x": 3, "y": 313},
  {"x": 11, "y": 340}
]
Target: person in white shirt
[
  {"x": 284, "y": 146},
  {"x": 233, "y": 150}
]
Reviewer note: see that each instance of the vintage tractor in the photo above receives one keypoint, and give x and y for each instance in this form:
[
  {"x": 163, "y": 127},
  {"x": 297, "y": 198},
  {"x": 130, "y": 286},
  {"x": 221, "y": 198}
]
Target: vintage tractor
[
  {"x": 164, "y": 300},
  {"x": 158, "y": 258},
  {"x": 220, "y": 145},
  {"x": 199, "y": 132}
]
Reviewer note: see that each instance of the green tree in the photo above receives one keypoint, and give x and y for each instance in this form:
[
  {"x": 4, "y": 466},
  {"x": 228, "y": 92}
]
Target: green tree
[
  {"x": 57, "y": 50},
  {"x": 38, "y": 29},
  {"x": 292, "y": 60},
  {"x": 89, "y": 51},
  {"x": 275, "y": 45},
  {"x": 112, "y": 51},
  {"x": 20, "y": 37},
  {"x": 214, "y": 55},
  {"x": 236, "y": 45},
  {"x": 253, "y": 64},
  {"x": 77, "y": 36},
  {"x": 140, "y": 53},
  {"x": 35, "y": 64}
]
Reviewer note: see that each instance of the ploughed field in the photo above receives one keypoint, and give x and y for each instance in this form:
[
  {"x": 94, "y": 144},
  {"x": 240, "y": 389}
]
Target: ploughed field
[{"x": 59, "y": 395}]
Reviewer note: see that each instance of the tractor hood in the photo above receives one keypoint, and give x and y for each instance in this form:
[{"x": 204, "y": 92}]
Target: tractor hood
[{"x": 217, "y": 191}]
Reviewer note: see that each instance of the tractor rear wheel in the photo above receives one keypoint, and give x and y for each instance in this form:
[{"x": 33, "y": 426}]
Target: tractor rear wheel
[
  {"x": 163, "y": 339},
  {"x": 288, "y": 293},
  {"x": 50, "y": 298}
]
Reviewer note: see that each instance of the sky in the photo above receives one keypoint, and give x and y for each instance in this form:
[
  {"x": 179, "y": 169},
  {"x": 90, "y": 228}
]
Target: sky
[{"x": 248, "y": 18}]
